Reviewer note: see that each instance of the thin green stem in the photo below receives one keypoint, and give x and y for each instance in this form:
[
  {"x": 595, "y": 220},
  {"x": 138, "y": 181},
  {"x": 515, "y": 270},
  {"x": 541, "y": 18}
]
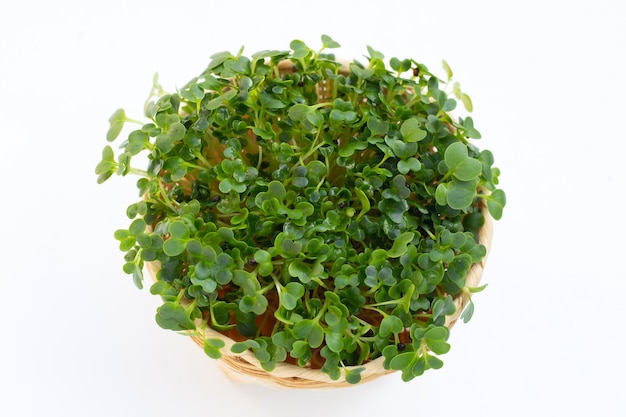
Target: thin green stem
[
  {"x": 258, "y": 164},
  {"x": 320, "y": 283},
  {"x": 139, "y": 172},
  {"x": 129, "y": 120},
  {"x": 373, "y": 306},
  {"x": 269, "y": 286},
  {"x": 382, "y": 161},
  {"x": 203, "y": 159}
]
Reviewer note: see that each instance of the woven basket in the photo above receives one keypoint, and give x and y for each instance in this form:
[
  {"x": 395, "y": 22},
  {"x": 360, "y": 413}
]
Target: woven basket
[{"x": 244, "y": 367}]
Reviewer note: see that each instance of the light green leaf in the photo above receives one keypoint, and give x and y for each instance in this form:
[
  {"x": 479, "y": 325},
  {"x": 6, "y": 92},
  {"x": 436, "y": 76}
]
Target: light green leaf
[
  {"x": 212, "y": 347},
  {"x": 411, "y": 131},
  {"x": 116, "y": 123},
  {"x": 365, "y": 203},
  {"x": 495, "y": 203},
  {"x": 441, "y": 194},
  {"x": 291, "y": 294},
  {"x": 328, "y": 42},
  {"x": 300, "y": 50},
  {"x": 179, "y": 229},
  {"x": 467, "y": 102},
  {"x": 298, "y": 111},
  {"x": 219, "y": 100},
  {"x": 173, "y": 246},
  {"x": 399, "y": 247},
  {"x": 447, "y": 69}
]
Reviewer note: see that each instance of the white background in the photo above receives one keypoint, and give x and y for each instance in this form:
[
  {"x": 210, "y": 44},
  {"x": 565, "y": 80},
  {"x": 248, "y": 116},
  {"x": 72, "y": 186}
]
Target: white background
[{"x": 548, "y": 81}]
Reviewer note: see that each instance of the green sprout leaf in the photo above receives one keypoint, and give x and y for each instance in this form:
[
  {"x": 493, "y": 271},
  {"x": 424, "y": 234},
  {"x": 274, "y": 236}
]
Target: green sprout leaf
[
  {"x": 463, "y": 167},
  {"x": 353, "y": 376},
  {"x": 291, "y": 294},
  {"x": 495, "y": 203},
  {"x": 328, "y": 42},
  {"x": 298, "y": 112},
  {"x": 300, "y": 50},
  {"x": 468, "y": 125},
  {"x": 309, "y": 330},
  {"x": 390, "y": 325},
  {"x": 399, "y": 247},
  {"x": 447, "y": 69},
  {"x": 377, "y": 127},
  {"x": 107, "y": 165},
  {"x": 212, "y": 347},
  {"x": 256, "y": 304},
  {"x": 288, "y": 248},
  {"x": 174, "y": 316},
  {"x": 402, "y": 361},
  {"x": 240, "y": 347},
  {"x": 411, "y": 164},
  {"x": 465, "y": 99},
  {"x": 116, "y": 124},
  {"x": 411, "y": 131},
  {"x": 459, "y": 194},
  {"x": 468, "y": 313},
  {"x": 443, "y": 307},
  {"x": 221, "y": 99},
  {"x": 435, "y": 339}
]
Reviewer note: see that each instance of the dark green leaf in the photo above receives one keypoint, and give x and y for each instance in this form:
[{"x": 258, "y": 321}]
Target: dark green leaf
[
  {"x": 495, "y": 203},
  {"x": 461, "y": 194},
  {"x": 463, "y": 167},
  {"x": 353, "y": 376},
  {"x": 402, "y": 361},
  {"x": 212, "y": 347},
  {"x": 240, "y": 347},
  {"x": 173, "y": 316},
  {"x": 432, "y": 362}
]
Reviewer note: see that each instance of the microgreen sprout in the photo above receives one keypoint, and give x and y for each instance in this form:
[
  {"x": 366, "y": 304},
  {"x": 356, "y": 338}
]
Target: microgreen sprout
[{"x": 320, "y": 214}]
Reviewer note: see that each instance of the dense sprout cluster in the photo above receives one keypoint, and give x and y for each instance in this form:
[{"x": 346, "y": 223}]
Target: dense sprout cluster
[{"x": 317, "y": 213}]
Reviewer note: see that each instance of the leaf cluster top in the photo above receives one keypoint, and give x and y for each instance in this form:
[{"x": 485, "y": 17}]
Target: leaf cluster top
[{"x": 319, "y": 213}]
